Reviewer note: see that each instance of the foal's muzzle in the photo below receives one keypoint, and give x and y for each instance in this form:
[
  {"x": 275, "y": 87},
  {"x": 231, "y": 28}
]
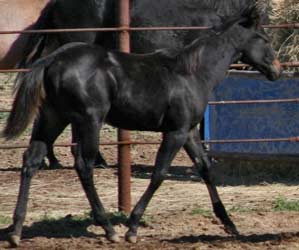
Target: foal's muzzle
[{"x": 275, "y": 70}]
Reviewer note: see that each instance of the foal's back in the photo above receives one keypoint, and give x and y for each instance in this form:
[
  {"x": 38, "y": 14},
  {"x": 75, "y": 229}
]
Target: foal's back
[{"x": 130, "y": 91}]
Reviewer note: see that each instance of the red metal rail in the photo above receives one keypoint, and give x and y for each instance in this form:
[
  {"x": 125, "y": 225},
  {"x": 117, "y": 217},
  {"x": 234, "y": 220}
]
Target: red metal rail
[
  {"x": 283, "y": 64},
  {"x": 296, "y": 100},
  {"x": 127, "y": 28},
  {"x": 287, "y": 139},
  {"x": 233, "y": 66},
  {"x": 290, "y": 100}
]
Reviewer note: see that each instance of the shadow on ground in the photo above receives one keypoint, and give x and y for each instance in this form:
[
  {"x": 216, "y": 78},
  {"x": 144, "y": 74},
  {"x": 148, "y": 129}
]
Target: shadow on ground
[
  {"x": 67, "y": 227},
  {"x": 61, "y": 228},
  {"x": 252, "y": 238},
  {"x": 232, "y": 173},
  {"x": 224, "y": 172}
]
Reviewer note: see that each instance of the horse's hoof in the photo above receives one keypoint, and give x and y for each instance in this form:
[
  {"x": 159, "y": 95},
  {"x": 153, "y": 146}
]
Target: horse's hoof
[
  {"x": 43, "y": 165},
  {"x": 114, "y": 238},
  {"x": 101, "y": 165},
  {"x": 130, "y": 237},
  {"x": 14, "y": 240},
  {"x": 55, "y": 165}
]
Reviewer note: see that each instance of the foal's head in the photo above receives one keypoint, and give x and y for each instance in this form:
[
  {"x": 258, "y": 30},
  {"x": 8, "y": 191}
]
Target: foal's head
[
  {"x": 255, "y": 47},
  {"x": 259, "y": 53}
]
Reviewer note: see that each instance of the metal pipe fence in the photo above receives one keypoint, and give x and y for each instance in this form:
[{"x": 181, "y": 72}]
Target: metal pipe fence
[{"x": 124, "y": 29}]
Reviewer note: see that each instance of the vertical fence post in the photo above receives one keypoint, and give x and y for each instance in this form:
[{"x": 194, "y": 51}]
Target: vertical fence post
[{"x": 124, "y": 155}]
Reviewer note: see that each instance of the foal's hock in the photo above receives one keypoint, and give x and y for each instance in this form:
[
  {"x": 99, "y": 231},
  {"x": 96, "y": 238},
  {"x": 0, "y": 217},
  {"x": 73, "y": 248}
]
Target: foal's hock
[{"x": 167, "y": 91}]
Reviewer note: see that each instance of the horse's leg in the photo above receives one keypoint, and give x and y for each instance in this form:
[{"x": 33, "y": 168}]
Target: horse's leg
[
  {"x": 170, "y": 145},
  {"x": 32, "y": 160},
  {"x": 87, "y": 136},
  {"x": 53, "y": 161},
  {"x": 54, "y": 131},
  {"x": 99, "y": 161},
  {"x": 197, "y": 154}
]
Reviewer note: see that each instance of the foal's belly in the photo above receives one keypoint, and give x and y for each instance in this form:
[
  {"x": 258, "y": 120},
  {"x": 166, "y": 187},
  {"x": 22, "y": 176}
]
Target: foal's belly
[{"x": 135, "y": 121}]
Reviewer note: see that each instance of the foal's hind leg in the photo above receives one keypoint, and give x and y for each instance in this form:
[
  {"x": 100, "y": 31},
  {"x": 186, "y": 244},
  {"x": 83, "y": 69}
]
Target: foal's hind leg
[
  {"x": 87, "y": 135},
  {"x": 197, "y": 154},
  {"x": 32, "y": 161},
  {"x": 171, "y": 144},
  {"x": 99, "y": 160}
]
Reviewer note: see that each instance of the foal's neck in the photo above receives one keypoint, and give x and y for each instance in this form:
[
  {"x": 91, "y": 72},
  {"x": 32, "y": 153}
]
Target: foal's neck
[{"x": 211, "y": 58}]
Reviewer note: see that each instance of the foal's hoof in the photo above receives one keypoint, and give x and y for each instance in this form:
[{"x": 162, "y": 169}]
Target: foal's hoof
[
  {"x": 231, "y": 230},
  {"x": 131, "y": 237},
  {"x": 113, "y": 238},
  {"x": 14, "y": 240}
]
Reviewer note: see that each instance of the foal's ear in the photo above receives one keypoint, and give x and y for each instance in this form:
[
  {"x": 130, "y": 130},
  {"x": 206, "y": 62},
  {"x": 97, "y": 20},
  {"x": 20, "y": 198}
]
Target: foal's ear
[
  {"x": 250, "y": 18},
  {"x": 226, "y": 23}
]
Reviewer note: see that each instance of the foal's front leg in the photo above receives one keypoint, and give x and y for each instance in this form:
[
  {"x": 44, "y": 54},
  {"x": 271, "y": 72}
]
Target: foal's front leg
[
  {"x": 170, "y": 145},
  {"x": 197, "y": 154}
]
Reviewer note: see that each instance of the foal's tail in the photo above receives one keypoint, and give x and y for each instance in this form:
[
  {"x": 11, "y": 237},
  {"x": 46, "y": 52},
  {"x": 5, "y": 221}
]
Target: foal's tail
[{"x": 29, "y": 95}]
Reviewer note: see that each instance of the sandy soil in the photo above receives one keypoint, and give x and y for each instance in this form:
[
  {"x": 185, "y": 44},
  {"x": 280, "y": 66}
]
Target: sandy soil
[{"x": 172, "y": 222}]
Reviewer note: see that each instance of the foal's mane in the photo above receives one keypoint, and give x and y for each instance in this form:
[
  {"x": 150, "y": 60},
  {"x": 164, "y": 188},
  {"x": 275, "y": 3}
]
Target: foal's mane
[{"x": 189, "y": 59}]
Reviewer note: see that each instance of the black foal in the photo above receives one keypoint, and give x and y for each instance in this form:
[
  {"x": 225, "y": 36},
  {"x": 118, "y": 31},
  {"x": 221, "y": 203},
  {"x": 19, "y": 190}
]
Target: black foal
[
  {"x": 166, "y": 91},
  {"x": 60, "y": 14}
]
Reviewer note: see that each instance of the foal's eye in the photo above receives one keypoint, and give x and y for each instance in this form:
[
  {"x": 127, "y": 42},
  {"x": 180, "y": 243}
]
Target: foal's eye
[{"x": 268, "y": 56}]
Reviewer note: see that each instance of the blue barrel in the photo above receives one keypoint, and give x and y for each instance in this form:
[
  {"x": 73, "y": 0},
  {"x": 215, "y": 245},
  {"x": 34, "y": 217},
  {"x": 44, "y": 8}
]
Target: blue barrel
[{"x": 251, "y": 121}]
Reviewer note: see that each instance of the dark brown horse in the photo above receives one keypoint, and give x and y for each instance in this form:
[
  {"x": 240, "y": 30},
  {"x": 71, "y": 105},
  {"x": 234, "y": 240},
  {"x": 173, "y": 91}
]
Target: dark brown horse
[
  {"x": 23, "y": 49},
  {"x": 167, "y": 91},
  {"x": 102, "y": 13},
  {"x": 39, "y": 14}
]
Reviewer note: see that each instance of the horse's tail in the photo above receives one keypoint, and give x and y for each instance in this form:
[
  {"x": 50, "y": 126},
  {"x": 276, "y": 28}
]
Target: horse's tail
[
  {"x": 35, "y": 43},
  {"x": 29, "y": 95}
]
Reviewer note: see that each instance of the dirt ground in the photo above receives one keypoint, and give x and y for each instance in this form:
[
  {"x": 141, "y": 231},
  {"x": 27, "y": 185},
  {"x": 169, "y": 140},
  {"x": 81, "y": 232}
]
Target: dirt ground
[
  {"x": 171, "y": 220},
  {"x": 178, "y": 217}
]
